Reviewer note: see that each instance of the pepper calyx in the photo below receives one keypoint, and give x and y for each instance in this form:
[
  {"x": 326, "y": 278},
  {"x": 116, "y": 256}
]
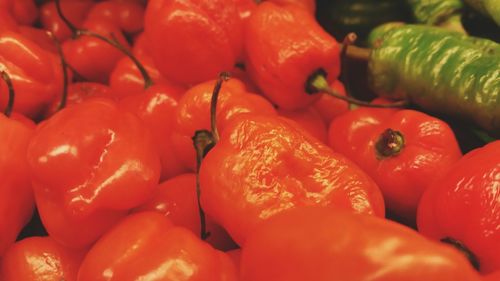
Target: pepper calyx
[{"x": 390, "y": 143}]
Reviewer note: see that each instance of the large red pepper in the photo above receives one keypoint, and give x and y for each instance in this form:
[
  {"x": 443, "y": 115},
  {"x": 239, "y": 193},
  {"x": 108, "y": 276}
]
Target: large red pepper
[
  {"x": 192, "y": 41},
  {"x": 402, "y": 150},
  {"x": 286, "y": 50},
  {"x": 264, "y": 165},
  {"x": 36, "y": 74},
  {"x": 90, "y": 163},
  {"x": 193, "y": 113},
  {"x": 322, "y": 244},
  {"x": 40, "y": 259},
  {"x": 146, "y": 246},
  {"x": 463, "y": 207}
]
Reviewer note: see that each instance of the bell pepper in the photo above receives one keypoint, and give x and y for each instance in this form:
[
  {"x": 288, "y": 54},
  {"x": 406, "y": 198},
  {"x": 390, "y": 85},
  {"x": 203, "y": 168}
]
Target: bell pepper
[
  {"x": 90, "y": 164},
  {"x": 264, "y": 165},
  {"x": 322, "y": 244},
  {"x": 193, "y": 114},
  {"x": 147, "y": 246},
  {"x": 177, "y": 200},
  {"x": 285, "y": 49},
  {"x": 192, "y": 41},
  {"x": 459, "y": 78},
  {"x": 23, "y": 59},
  {"x": 40, "y": 259},
  {"x": 462, "y": 207},
  {"x": 402, "y": 150}
]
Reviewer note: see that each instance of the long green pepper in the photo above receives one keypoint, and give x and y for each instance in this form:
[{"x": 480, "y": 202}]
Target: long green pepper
[{"x": 439, "y": 70}]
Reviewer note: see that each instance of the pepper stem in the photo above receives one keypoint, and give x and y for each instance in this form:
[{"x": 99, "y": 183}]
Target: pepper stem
[
  {"x": 390, "y": 143},
  {"x": 358, "y": 53},
  {"x": 464, "y": 250},
  {"x": 317, "y": 83},
  {"x": 224, "y": 76},
  {"x": 12, "y": 95},
  {"x": 203, "y": 141},
  {"x": 76, "y": 32}
]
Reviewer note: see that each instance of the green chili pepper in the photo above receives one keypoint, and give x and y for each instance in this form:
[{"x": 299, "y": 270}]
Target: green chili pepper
[
  {"x": 439, "y": 70},
  {"x": 434, "y": 12}
]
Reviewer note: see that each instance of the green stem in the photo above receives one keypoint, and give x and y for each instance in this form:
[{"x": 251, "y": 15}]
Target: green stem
[{"x": 12, "y": 95}]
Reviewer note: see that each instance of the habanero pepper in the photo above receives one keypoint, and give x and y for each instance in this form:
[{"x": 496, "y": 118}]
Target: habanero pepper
[
  {"x": 192, "y": 41},
  {"x": 40, "y": 259},
  {"x": 463, "y": 207},
  {"x": 324, "y": 244},
  {"x": 23, "y": 59},
  {"x": 285, "y": 49},
  {"x": 193, "y": 114},
  {"x": 439, "y": 70},
  {"x": 265, "y": 165},
  {"x": 402, "y": 150},
  {"x": 146, "y": 246},
  {"x": 90, "y": 164}
]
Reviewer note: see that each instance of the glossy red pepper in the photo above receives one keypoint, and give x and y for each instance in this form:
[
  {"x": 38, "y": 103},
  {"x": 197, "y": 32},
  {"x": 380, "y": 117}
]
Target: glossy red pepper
[
  {"x": 322, "y": 244},
  {"x": 91, "y": 57},
  {"x": 193, "y": 41},
  {"x": 402, "y": 150},
  {"x": 75, "y": 10},
  {"x": 23, "y": 60},
  {"x": 16, "y": 194},
  {"x": 40, "y": 259},
  {"x": 330, "y": 107},
  {"x": 310, "y": 120},
  {"x": 286, "y": 49},
  {"x": 177, "y": 200},
  {"x": 146, "y": 246},
  {"x": 245, "y": 8},
  {"x": 492, "y": 277},
  {"x": 263, "y": 165},
  {"x": 90, "y": 163},
  {"x": 464, "y": 206},
  {"x": 23, "y": 11},
  {"x": 156, "y": 108},
  {"x": 7, "y": 22},
  {"x": 309, "y": 5},
  {"x": 127, "y": 15},
  {"x": 193, "y": 114}
]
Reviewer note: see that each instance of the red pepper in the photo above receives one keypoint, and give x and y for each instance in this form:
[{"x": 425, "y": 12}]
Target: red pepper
[
  {"x": 75, "y": 10},
  {"x": 23, "y": 11},
  {"x": 40, "y": 259},
  {"x": 402, "y": 150},
  {"x": 193, "y": 114},
  {"x": 263, "y": 165},
  {"x": 146, "y": 246},
  {"x": 286, "y": 49},
  {"x": 245, "y": 8},
  {"x": 90, "y": 163},
  {"x": 127, "y": 15},
  {"x": 322, "y": 244},
  {"x": 309, "y": 5},
  {"x": 193, "y": 41},
  {"x": 177, "y": 200},
  {"x": 492, "y": 277},
  {"x": 463, "y": 207},
  {"x": 156, "y": 108},
  {"x": 16, "y": 194},
  {"x": 7, "y": 22},
  {"x": 310, "y": 120},
  {"x": 330, "y": 107},
  {"x": 24, "y": 61}
]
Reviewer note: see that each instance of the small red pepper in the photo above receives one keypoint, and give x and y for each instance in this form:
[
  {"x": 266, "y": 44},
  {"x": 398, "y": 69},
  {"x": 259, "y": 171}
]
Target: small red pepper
[
  {"x": 193, "y": 41},
  {"x": 90, "y": 163},
  {"x": 286, "y": 50},
  {"x": 23, "y": 11},
  {"x": 463, "y": 207},
  {"x": 263, "y": 165},
  {"x": 322, "y": 244},
  {"x": 40, "y": 259},
  {"x": 127, "y": 15},
  {"x": 330, "y": 107},
  {"x": 310, "y": 120},
  {"x": 75, "y": 10},
  {"x": 146, "y": 246},
  {"x": 402, "y": 150}
]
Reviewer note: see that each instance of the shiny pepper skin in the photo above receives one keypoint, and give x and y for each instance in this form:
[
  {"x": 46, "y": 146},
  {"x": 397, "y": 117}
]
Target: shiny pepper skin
[
  {"x": 75, "y": 10},
  {"x": 264, "y": 165},
  {"x": 90, "y": 163},
  {"x": 464, "y": 205},
  {"x": 323, "y": 244},
  {"x": 285, "y": 47},
  {"x": 23, "y": 59},
  {"x": 402, "y": 150},
  {"x": 193, "y": 41},
  {"x": 128, "y": 15},
  {"x": 146, "y": 246},
  {"x": 16, "y": 194},
  {"x": 40, "y": 259},
  {"x": 330, "y": 107},
  {"x": 310, "y": 120},
  {"x": 193, "y": 113}
]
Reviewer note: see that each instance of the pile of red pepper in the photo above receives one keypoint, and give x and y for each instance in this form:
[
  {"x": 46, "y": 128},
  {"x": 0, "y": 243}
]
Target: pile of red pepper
[{"x": 213, "y": 140}]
